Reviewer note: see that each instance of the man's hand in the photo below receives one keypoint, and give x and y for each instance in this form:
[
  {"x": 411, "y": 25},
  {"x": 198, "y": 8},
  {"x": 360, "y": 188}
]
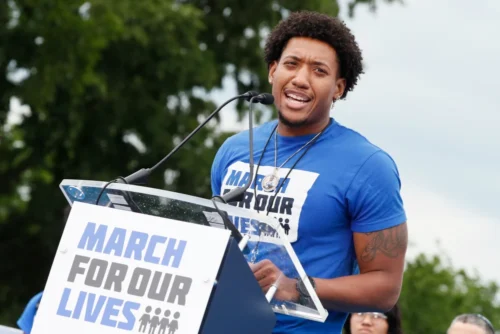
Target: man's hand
[
  {"x": 380, "y": 257},
  {"x": 267, "y": 274}
]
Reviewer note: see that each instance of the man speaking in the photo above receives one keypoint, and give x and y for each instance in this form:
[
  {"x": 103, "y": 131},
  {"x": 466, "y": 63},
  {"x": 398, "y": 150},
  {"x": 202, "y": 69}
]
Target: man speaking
[{"x": 344, "y": 213}]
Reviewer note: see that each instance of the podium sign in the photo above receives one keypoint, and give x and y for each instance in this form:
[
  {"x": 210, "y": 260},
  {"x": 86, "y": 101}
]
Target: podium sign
[
  {"x": 267, "y": 238},
  {"x": 118, "y": 271}
]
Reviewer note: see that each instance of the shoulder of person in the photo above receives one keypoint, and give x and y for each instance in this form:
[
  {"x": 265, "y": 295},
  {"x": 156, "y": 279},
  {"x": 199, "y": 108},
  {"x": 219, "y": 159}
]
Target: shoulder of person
[{"x": 361, "y": 148}]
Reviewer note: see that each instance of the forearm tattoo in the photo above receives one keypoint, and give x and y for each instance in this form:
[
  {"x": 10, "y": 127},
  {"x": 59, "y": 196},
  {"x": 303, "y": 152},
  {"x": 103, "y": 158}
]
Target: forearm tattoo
[{"x": 390, "y": 242}]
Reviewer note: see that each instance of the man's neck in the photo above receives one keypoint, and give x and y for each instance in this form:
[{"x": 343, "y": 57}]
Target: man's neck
[{"x": 307, "y": 129}]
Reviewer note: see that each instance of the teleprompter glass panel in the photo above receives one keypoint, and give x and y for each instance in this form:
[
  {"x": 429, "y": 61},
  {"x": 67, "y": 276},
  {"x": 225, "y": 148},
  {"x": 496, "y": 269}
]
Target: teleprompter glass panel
[{"x": 266, "y": 238}]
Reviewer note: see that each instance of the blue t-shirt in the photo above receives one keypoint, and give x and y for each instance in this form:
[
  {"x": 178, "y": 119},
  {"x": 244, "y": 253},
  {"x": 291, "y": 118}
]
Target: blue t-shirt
[
  {"x": 343, "y": 184},
  {"x": 25, "y": 322}
]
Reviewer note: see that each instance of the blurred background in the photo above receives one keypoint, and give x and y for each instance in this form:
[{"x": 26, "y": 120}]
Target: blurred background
[{"x": 98, "y": 89}]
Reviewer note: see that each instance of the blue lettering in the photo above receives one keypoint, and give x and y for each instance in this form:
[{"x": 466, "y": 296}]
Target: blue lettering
[
  {"x": 244, "y": 180},
  {"x": 79, "y": 305},
  {"x": 285, "y": 185},
  {"x": 111, "y": 311},
  {"x": 173, "y": 252},
  {"x": 149, "y": 257},
  {"x": 108, "y": 306},
  {"x": 91, "y": 239},
  {"x": 136, "y": 245},
  {"x": 254, "y": 227},
  {"x": 116, "y": 241},
  {"x": 258, "y": 180},
  {"x": 234, "y": 178},
  {"x": 61, "y": 310},
  {"x": 129, "y": 316},
  {"x": 93, "y": 311},
  {"x": 244, "y": 224}
]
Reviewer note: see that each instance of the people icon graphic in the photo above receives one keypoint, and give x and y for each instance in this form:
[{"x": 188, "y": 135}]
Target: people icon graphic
[
  {"x": 155, "y": 321},
  {"x": 164, "y": 322},
  {"x": 152, "y": 323},
  {"x": 174, "y": 325},
  {"x": 145, "y": 319},
  {"x": 286, "y": 225}
]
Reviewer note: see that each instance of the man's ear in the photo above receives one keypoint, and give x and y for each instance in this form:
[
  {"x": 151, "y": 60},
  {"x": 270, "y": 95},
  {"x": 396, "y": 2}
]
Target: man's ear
[
  {"x": 340, "y": 88},
  {"x": 272, "y": 69}
]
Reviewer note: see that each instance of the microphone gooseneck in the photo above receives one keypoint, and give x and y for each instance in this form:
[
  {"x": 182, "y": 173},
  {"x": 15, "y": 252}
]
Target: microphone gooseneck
[
  {"x": 141, "y": 176},
  {"x": 237, "y": 194}
]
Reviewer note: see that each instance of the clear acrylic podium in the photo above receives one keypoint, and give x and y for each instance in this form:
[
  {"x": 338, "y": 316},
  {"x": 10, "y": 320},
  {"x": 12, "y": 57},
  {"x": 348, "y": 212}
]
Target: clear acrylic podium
[{"x": 261, "y": 231}]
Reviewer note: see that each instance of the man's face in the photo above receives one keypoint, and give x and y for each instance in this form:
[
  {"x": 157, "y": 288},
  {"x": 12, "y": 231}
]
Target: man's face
[
  {"x": 461, "y": 328},
  {"x": 305, "y": 81}
]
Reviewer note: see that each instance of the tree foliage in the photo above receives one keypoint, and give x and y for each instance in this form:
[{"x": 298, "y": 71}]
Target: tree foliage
[{"x": 434, "y": 292}]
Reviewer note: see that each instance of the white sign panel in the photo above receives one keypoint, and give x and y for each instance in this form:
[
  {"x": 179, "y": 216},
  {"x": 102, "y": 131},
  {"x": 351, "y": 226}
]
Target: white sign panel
[{"x": 122, "y": 272}]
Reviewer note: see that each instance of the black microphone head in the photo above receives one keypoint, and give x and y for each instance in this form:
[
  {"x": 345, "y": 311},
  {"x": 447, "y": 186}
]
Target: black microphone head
[
  {"x": 264, "y": 98},
  {"x": 248, "y": 95}
]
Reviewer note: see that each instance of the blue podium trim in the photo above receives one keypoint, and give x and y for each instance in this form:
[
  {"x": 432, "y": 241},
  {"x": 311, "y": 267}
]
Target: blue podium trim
[{"x": 237, "y": 304}]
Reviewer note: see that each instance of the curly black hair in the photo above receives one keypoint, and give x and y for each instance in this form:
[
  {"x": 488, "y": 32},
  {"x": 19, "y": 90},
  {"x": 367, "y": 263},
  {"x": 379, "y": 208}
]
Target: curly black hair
[
  {"x": 321, "y": 27},
  {"x": 393, "y": 320}
]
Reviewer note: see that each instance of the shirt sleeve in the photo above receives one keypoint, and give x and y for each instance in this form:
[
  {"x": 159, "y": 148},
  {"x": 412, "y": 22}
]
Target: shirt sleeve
[
  {"x": 25, "y": 322},
  {"x": 373, "y": 197}
]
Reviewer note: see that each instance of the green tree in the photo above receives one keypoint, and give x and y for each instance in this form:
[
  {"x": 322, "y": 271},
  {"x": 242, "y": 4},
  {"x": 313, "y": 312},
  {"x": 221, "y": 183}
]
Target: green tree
[
  {"x": 95, "y": 74},
  {"x": 434, "y": 292}
]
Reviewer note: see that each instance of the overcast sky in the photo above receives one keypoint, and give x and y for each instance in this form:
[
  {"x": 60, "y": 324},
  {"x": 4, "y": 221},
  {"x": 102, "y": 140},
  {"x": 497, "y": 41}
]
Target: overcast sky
[{"x": 430, "y": 98}]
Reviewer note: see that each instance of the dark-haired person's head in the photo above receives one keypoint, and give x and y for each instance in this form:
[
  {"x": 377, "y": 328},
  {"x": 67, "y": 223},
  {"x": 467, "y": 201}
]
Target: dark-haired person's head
[
  {"x": 374, "y": 322},
  {"x": 471, "y": 324},
  {"x": 313, "y": 60}
]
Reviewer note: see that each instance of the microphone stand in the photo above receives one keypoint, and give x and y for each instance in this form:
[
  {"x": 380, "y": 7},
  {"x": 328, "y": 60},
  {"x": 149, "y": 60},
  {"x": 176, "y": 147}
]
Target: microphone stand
[
  {"x": 237, "y": 194},
  {"x": 141, "y": 176}
]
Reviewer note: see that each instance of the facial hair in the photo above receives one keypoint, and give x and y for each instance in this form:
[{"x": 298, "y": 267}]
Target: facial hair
[{"x": 290, "y": 123}]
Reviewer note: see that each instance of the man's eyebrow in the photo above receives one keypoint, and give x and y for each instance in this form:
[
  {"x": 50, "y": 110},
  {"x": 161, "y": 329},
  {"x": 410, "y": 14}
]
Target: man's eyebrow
[
  {"x": 316, "y": 62},
  {"x": 293, "y": 57}
]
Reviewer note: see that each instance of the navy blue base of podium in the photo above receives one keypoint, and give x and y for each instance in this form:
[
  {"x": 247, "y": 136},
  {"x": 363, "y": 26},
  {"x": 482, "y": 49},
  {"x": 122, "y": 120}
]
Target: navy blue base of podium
[{"x": 237, "y": 304}]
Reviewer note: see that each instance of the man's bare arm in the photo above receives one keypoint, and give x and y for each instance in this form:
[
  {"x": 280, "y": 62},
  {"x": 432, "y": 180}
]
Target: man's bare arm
[
  {"x": 391, "y": 243},
  {"x": 381, "y": 258}
]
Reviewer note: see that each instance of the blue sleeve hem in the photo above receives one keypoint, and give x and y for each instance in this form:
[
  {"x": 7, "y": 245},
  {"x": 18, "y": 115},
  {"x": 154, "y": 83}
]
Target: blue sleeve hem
[
  {"x": 25, "y": 322},
  {"x": 381, "y": 224}
]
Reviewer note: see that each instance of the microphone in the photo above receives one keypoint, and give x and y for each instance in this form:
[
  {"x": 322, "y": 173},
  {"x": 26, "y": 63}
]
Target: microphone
[
  {"x": 237, "y": 194},
  {"x": 141, "y": 176},
  {"x": 264, "y": 98}
]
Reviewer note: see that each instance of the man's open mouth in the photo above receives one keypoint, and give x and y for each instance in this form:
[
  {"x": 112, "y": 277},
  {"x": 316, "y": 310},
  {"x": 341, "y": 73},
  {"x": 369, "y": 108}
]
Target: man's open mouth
[
  {"x": 296, "y": 100},
  {"x": 297, "y": 97}
]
